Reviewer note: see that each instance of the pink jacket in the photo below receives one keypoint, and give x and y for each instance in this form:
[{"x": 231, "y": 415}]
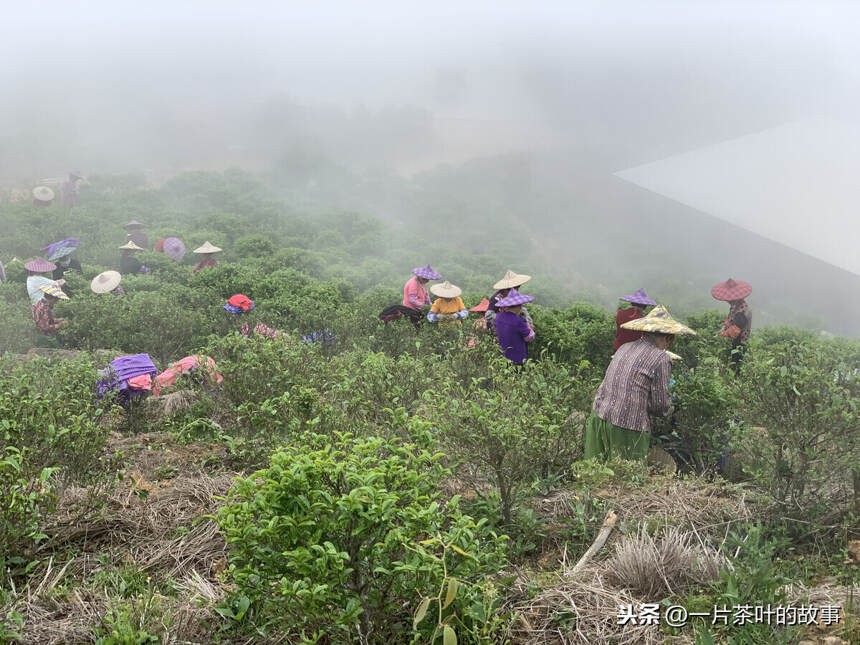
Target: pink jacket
[{"x": 415, "y": 295}]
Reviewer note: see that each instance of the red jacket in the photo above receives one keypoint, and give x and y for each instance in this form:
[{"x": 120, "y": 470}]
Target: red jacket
[{"x": 626, "y": 335}]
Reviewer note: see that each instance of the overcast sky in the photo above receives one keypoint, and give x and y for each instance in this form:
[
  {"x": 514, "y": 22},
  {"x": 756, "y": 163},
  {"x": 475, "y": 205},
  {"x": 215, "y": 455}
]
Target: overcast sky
[{"x": 627, "y": 83}]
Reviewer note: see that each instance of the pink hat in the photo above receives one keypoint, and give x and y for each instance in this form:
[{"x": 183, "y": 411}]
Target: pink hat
[
  {"x": 40, "y": 265},
  {"x": 731, "y": 290}
]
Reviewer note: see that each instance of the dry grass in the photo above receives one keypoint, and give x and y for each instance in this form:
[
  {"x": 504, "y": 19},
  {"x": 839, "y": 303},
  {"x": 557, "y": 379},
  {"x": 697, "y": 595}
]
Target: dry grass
[
  {"x": 581, "y": 610},
  {"x": 163, "y": 531},
  {"x": 656, "y": 567}
]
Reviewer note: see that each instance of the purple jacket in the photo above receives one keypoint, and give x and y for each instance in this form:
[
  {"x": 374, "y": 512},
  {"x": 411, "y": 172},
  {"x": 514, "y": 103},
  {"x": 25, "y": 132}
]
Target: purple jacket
[{"x": 513, "y": 333}]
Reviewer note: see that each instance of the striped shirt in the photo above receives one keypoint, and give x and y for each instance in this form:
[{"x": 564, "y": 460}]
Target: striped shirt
[{"x": 636, "y": 385}]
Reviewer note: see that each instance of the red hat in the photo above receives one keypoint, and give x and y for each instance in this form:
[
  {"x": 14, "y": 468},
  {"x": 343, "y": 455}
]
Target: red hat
[
  {"x": 731, "y": 290},
  {"x": 481, "y": 306}
]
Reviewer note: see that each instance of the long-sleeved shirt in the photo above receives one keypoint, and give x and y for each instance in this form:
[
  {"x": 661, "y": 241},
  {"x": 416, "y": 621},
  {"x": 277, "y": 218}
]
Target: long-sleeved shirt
[
  {"x": 129, "y": 265},
  {"x": 33, "y": 290},
  {"x": 43, "y": 316},
  {"x": 448, "y": 307},
  {"x": 513, "y": 333},
  {"x": 208, "y": 262},
  {"x": 415, "y": 295},
  {"x": 493, "y": 310},
  {"x": 740, "y": 316},
  {"x": 636, "y": 385},
  {"x": 623, "y": 336}
]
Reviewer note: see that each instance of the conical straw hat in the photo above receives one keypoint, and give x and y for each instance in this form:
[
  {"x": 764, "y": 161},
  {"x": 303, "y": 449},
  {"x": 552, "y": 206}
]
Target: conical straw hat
[
  {"x": 731, "y": 290},
  {"x": 658, "y": 321},
  {"x": 446, "y": 290},
  {"x": 106, "y": 282},
  {"x": 512, "y": 280},
  {"x": 207, "y": 247},
  {"x": 131, "y": 246},
  {"x": 53, "y": 290}
]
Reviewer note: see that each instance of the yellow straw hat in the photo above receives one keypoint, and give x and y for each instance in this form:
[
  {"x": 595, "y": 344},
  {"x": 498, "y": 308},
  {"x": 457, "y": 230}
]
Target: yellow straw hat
[
  {"x": 446, "y": 290},
  {"x": 673, "y": 355},
  {"x": 53, "y": 290},
  {"x": 658, "y": 321},
  {"x": 131, "y": 246},
  {"x": 512, "y": 280},
  {"x": 207, "y": 247}
]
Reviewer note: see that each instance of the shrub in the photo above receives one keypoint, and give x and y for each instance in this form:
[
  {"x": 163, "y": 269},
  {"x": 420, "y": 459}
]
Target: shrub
[
  {"x": 801, "y": 401},
  {"x": 327, "y": 539},
  {"x": 513, "y": 427},
  {"x": 698, "y": 433},
  {"x": 579, "y": 333}
]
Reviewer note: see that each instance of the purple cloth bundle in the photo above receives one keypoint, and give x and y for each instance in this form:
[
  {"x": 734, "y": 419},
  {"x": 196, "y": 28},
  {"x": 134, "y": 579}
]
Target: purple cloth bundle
[
  {"x": 238, "y": 310},
  {"x": 53, "y": 251},
  {"x": 116, "y": 375}
]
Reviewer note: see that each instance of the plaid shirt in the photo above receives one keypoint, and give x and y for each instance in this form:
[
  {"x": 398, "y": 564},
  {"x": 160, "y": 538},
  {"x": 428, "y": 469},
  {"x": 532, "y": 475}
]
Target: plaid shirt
[
  {"x": 636, "y": 385},
  {"x": 43, "y": 316}
]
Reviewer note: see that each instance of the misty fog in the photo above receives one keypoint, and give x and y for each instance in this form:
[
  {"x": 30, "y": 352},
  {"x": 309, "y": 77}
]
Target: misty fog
[{"x": 440, "y": 114}]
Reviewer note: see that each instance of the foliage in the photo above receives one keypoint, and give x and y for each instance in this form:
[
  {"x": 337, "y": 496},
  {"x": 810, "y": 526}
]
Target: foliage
[
  {"x": 328, "y": 537},
  {"x": 698, "y": 432},
  {"x": 801, "y": 404},
  {"x": 582, "y": 332},
  {"x": 512, "y": 427}
]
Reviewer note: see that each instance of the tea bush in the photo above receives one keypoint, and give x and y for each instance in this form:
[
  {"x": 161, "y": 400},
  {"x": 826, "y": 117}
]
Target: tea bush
[
  {"x": 326, "y": 539},
  {"x": 802, "y": 400}
]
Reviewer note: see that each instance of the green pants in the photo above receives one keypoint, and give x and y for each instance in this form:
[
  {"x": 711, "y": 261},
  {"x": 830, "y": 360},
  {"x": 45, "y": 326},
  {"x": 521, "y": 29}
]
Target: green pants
[{"x": 604, "y": 440}]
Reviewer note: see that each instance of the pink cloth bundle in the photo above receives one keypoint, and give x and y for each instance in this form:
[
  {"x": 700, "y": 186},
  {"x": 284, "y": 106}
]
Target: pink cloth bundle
[{"x": 168, "y": 377}]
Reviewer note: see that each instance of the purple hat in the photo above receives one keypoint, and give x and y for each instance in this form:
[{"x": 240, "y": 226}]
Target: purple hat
[
  {"x": 61, "y": 249},
  {"x": 513, "y": 299},
  {"x": 174, "y": 248},
  {"x": 427, "y": 272},
  {"x": 639, "y": 298},
  {"x": 40, "y": 265}
]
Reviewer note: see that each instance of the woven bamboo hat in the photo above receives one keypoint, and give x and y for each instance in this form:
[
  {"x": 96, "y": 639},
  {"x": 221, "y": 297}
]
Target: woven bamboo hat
[
  {"x": 207, "y": 247},
  {"x": 658, "y": 322},
  {"x": 106, "y": 282},
  {"x": 53, "y": 290},
  {"x": 446, "y": 290},
  {"x": 512, "y": 280},
  {"x": 131, "y": 246},
  {"x": 40, "y": 265},
  {"x": 43, "y": 193}
]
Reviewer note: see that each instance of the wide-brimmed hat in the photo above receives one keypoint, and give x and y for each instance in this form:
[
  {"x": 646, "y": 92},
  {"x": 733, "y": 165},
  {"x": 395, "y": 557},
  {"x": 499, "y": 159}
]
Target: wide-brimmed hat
[
  {"x": 40, "y": 265},
  {"x": 105, "y": 282},
  {"x": 207, "y": 247},
  {"x": 512, "y": 280},
  {"x": 427, "y": 272},
  {"x": 514, "y": 298},
  {"x": 133, "y": 224},
  {"x": 53, "y": 290},
  {"x": 638, "y": 297},
  {"x": 43, "y": 193},
  {"x": 446, "y": 290},
  {"x": 174, "y": 247},
  {"x": 731, "y": 290},
  {"x": 130, "y": 246},
  {"x": 76, "y": 174},
  {"x": 481, "y": 306},
  {"x": 658, "y": 321}
]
